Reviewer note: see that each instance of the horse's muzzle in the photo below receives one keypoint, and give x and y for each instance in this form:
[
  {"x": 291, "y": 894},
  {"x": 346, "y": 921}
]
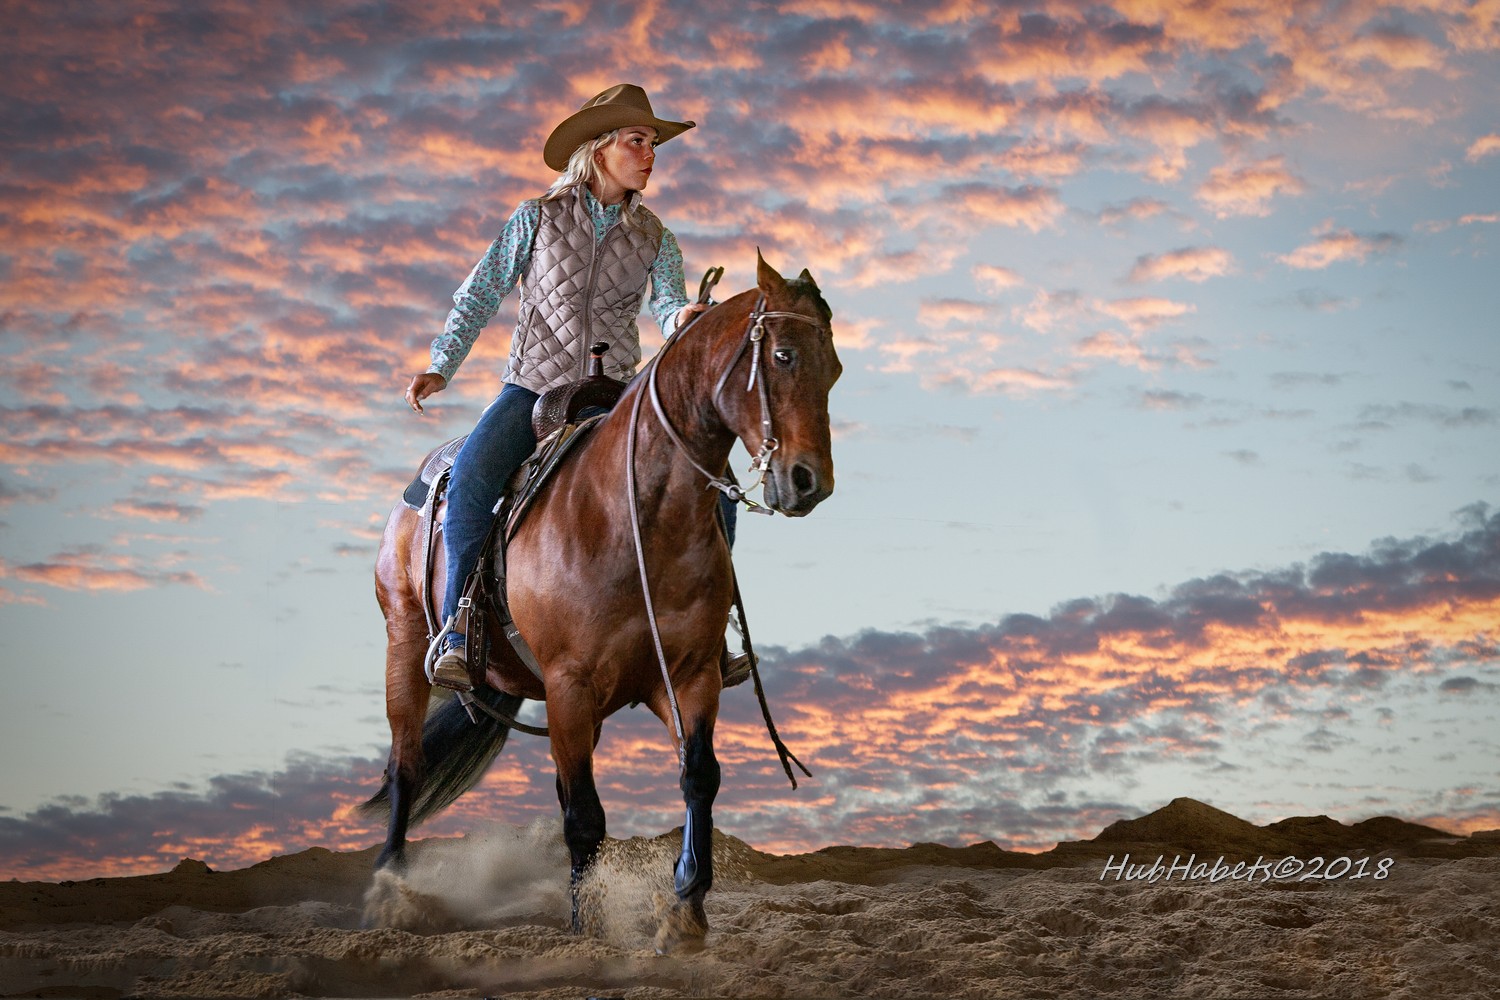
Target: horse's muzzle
[{"x": 796, "y": 489}]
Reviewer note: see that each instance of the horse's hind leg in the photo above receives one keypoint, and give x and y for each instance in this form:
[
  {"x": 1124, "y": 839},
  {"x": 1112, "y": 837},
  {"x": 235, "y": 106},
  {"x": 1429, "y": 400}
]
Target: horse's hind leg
[
  {"x": 406, "y": 696},
  {"x": 682, "y": 924},
  {"x": 574, "y": 727}
]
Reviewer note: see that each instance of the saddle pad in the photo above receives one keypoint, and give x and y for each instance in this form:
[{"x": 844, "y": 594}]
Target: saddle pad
[{"x": 415, "y": 494}]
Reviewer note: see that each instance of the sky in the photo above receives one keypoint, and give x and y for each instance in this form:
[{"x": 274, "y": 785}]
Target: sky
[{"x": 1165, "y": 442}]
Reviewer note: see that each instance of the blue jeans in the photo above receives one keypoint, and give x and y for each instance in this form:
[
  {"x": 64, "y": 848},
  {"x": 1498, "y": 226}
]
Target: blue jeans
[{"x": 498, "y": 444}]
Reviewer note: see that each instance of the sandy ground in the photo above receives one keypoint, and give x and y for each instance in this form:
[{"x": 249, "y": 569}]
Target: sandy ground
[{"x": 486, "y": 915}]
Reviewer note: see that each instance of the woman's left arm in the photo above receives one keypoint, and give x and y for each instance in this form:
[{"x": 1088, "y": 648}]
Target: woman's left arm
[{"x": 669, "y": 301}]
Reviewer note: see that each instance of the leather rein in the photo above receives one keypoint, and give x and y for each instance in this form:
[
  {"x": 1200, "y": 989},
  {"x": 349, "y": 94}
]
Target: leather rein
[{"x": 754, "y": 340}]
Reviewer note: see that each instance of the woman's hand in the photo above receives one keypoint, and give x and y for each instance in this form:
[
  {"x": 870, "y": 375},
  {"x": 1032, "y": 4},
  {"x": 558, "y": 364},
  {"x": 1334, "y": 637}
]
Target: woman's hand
[
  {"x": 687, "y": 312},
  {"x": 422, "y": 386}
]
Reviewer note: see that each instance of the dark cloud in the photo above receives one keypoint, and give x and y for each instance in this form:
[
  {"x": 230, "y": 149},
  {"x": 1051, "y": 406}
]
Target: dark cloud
[
  {"x": 952, "y": 734},
  {"x": 1296, "y": 380},
  {"x": 1385, "y": 415},
  {"x": 1169, "y": 399},
  {"x": 290, "y": 809},
  {"x": 23, "y": 493}
]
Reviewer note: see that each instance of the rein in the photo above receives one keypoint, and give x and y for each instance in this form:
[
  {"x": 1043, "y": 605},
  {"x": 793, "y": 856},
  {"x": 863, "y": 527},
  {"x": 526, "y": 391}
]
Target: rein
[{"x": 754, "y": 338}]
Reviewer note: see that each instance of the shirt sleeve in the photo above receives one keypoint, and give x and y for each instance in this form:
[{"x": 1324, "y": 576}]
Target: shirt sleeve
[
  {"x": 668, "y": 287},
  {"x": 478, "y": 298}
]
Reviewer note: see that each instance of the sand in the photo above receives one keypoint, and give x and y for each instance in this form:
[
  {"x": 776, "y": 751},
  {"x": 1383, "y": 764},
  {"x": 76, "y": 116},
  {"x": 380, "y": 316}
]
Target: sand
[{"x": 487, "y": 915}]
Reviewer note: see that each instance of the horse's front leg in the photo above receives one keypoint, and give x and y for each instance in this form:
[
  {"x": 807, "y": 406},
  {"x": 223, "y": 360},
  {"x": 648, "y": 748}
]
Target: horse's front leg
[
  {"x": 574, "y": 725},
  {"x": 682, "y": 923}
]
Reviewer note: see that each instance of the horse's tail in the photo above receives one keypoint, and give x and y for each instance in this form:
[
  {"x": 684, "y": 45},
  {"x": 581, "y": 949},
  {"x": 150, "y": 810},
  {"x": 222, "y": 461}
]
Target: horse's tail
[{"x": 457, "y": 750}]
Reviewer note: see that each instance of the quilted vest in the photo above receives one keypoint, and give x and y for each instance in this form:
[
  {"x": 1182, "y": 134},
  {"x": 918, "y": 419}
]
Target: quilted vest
[{"x": 573, "y": 296}]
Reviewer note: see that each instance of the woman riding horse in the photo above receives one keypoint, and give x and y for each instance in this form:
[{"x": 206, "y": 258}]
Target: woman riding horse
[{"x": 583, "y": 254}]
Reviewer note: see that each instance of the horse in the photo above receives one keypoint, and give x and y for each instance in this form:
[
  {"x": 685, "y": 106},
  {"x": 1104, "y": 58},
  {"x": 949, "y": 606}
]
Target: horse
[{"x": 756, "y": 368}]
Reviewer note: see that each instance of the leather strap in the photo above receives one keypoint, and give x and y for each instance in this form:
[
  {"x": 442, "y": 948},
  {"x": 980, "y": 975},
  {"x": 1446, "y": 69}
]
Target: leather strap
[
  {"x": 787, "y": 757},
  {"x": 427, "y": 524}
]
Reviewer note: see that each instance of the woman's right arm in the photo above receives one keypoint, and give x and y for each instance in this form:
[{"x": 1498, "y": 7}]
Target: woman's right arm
[{"x": 478, "y": 298}]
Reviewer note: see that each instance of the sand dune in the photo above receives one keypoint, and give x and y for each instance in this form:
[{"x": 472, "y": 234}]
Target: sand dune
[{"x": 1408, "y": 912}]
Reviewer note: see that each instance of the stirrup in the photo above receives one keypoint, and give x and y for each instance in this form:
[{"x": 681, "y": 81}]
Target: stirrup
[
  {"x": 736, "y": 669},
  {"x": 451, "y": 671}
]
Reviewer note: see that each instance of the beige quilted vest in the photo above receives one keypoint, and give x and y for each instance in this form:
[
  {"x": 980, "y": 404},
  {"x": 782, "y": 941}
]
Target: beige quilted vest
[{"x": 572, "y": 297}]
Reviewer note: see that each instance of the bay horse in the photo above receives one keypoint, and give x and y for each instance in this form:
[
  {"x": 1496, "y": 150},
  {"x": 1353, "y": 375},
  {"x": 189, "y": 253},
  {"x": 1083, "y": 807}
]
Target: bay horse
[{"x": 757, "y": 368}]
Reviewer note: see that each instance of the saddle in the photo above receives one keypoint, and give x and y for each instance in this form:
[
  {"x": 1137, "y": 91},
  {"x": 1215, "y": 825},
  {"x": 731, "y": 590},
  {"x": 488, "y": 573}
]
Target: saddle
[{"x": 556, "y": 421}]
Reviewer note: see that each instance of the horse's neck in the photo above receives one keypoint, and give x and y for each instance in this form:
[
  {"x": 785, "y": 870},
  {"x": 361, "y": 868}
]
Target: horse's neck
[{"x": 686, "y": 376}]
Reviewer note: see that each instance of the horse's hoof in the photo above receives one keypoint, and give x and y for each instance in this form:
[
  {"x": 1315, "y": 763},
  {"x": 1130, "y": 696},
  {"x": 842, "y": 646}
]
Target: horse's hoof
[{"x": 681, "y": 925}]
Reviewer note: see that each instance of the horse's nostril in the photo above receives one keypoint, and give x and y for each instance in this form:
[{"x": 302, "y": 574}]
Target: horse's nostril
[{"x": 803, "y": 480}]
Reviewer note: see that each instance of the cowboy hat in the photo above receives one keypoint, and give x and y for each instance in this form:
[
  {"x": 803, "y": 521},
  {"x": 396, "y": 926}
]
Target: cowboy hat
[{"x": 620, "y": 106}]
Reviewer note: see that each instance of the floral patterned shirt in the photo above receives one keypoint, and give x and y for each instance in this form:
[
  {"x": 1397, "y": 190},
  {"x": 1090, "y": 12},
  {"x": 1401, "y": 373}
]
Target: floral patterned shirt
[{"x": 504, "y": 264}]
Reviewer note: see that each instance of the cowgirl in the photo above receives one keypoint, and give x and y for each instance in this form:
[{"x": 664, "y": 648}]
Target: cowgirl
[{"x": 583, "y": 253}]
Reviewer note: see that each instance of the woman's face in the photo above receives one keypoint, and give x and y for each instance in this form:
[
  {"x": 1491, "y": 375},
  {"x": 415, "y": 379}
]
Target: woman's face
[{"x": 625, "y": 164}]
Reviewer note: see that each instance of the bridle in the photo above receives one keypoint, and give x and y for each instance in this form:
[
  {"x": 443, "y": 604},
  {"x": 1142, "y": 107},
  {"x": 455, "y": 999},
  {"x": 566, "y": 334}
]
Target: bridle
[{"x": 754, "y": 340}]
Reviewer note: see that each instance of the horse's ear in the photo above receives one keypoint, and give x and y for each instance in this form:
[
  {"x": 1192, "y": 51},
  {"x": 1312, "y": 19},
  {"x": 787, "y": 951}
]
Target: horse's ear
[
  {"x": 766, "y": 276},
  {"x": 807, "y": 278}
]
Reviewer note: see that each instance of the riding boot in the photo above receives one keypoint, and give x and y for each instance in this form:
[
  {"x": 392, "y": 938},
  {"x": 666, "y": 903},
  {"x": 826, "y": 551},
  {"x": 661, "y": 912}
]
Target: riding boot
[
  {"x": 452, "y": 668},
  {"x": 735, "y": 669}
]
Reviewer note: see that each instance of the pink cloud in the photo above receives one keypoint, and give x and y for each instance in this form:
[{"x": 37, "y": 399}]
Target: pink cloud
[
  {"x": 1248, "y": 190},
  {"x": 1135, "y": 209},
  {"x": 946, "y": 312},
  {"x": 1008, "y": 380},
  {"x": 1117, "y": 348},
  {"x": 1145, "y": 313},
  {"x": 1196, "y": 264},
  {"x": 994, "y": 279},
  {"x": 1032, "y": 207},
  {"x": 1486, "y": 145},
  {"x": 90, "y": 567},
  {"x": 157, "y": 510},
  {"x": 1340, "y": 245}
]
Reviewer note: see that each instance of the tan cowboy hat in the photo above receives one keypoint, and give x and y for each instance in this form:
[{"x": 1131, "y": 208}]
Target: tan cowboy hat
[{"x": 620, "y": 106}]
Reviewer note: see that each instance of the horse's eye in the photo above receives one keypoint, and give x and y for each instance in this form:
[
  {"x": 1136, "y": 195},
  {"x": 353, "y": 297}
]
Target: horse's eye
[{"x": 785, "y": 357}]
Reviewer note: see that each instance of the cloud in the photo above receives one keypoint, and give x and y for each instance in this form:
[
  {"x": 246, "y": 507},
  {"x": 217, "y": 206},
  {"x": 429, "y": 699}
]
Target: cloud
[
  {"x": 1340, "y": 245},
  {"x": 23, "y": 493},
  {"x": 157, "y": 510},
  {"x": 228, "y": 237},
  {"x": 1318, "y": 300},
  {"x": 1146, "y": 313},
  {"x": 945, "y": 312},
  {"x": 1487, "y": 145},
  {"x": 1196, "y": 264},
  {"x": 1014, "y": 731},
  {"x": 92, "y": 567},
  {"x": 1117, "y": 348},
  {"x": 1384, "y": 415},
  {"x": 1170, "y": 399},
  {"x": 1248, "y": 190},
  {"x": 1136, "y": 209},
  {"x": 1031, "y": 206},
  {"x": 994, "y": 279},
  {"x": 1008, "y": 380},
  {"x": 238, "y": 820},
  {"x": 1296, "y": 380}
]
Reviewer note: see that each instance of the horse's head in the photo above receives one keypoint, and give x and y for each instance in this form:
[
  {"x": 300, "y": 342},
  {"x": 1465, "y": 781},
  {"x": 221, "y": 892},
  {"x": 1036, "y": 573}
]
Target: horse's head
[{"x": 785, "y": 411}]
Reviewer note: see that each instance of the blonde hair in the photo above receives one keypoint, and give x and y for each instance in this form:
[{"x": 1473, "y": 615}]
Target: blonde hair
[{"x": 582, "y": 171}]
